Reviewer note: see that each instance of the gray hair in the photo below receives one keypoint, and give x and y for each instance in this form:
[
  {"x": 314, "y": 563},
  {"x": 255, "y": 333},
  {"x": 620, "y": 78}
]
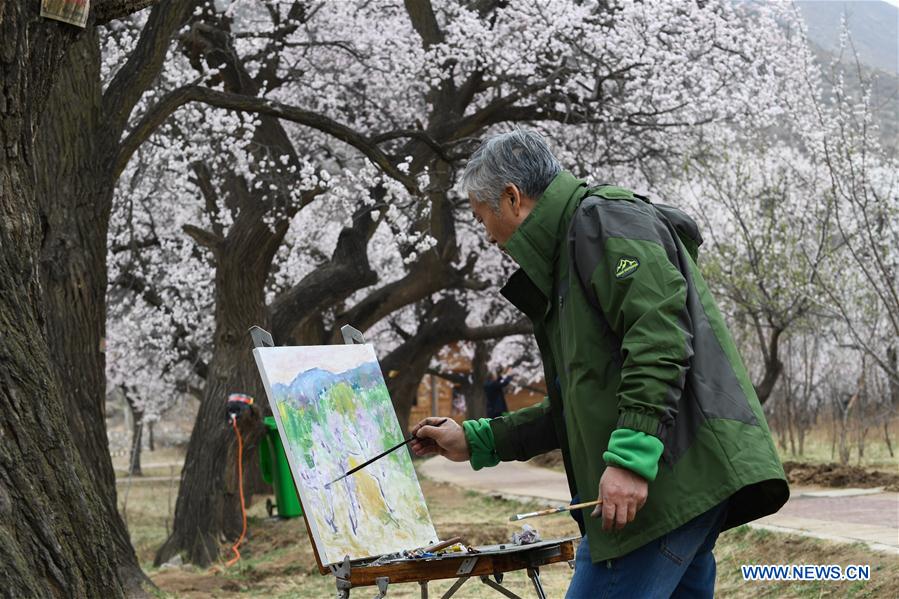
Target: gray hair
[{"x": 519, "y": 157}]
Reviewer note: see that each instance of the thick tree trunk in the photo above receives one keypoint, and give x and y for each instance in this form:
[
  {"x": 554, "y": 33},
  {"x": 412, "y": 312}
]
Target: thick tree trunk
[
  {"x": 54, "y": 538},
  {"x": 208, "y": 506},
  {"x": 74, "y": 190}
]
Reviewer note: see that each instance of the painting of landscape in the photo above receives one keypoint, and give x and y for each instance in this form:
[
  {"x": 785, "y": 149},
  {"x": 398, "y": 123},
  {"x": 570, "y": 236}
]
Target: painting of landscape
[{"x": 334, "y": 412}]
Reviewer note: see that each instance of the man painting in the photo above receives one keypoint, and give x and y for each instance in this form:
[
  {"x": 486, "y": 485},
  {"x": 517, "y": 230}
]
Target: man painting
[{"x": 648, "y": 400}]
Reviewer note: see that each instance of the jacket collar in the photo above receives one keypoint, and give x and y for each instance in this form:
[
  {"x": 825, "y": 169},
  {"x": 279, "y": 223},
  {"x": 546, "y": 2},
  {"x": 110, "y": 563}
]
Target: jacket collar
[{"x": 535, "y": 244}]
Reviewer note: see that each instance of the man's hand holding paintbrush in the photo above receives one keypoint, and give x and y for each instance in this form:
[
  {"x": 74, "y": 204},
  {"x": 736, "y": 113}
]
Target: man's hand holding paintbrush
[{"x": 447, "y": 439}]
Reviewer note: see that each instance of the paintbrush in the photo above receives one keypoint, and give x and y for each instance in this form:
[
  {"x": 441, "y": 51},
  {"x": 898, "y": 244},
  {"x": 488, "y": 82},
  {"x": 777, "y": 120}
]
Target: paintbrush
[
  {"x": 381, "y": 455},
  {"x": 554, "y": 510}
]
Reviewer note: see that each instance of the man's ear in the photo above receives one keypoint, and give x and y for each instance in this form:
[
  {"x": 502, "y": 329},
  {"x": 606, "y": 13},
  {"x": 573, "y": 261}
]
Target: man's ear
[{"x": 514, "y": 197}]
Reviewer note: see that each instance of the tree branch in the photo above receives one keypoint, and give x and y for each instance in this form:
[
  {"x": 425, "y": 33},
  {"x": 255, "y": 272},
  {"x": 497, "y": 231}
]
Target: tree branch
[
  {"x": 110, "y": 10},
  {"x": 210, "y": 196},
  {"x": 203, "y": 237},
  {"x": 414, "y": 134},
  {"x": 421, "y": 13},
  {"x": 347, "y": 271},
  {"x": 194, "y": 93},
  {"x": 521, "y": 326},
  {"x": 459, "y": 379},
  {"x": 151, "y": 241},
  {"x": 145, "y": 61}
]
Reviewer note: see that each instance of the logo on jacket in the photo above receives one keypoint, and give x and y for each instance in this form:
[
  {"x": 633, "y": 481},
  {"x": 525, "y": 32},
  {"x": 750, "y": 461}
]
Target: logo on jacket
[{"x": 627, "y": 265}]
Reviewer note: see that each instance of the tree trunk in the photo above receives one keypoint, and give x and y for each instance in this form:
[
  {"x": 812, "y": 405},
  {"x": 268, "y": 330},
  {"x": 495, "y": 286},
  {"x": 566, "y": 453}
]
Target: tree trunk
[
  {"x": 773, "y": 367},
  {"x": 443, "y": 324},
  {"x": 474, "y": 390},
  {"x": 893, "y": 377},
  {"x": 75, "y": 191},
  {"x": 54, "y": 537},
  {"x": 137, "y": 427},
  {"x": 886, "y": 436},
  {"x": 208, "y": 505},
  {"x": 845, "y": 448},
  {"x": 788, "y": 398},
  {"x": 833, "y": 431}
]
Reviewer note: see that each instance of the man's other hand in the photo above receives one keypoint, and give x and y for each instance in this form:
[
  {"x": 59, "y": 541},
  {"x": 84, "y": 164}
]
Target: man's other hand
[
  {"x": 448, "y": 439},
  {"x": 623, "y": 493}
]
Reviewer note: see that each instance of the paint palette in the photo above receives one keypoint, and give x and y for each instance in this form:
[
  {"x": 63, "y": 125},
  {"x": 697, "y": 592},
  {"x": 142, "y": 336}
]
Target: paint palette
[{"x": 334, "y": 412}]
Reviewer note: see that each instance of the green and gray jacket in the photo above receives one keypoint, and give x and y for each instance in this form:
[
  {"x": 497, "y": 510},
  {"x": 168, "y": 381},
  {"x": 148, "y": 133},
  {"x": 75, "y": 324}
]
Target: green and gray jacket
[{"x": 640, "y": 368}]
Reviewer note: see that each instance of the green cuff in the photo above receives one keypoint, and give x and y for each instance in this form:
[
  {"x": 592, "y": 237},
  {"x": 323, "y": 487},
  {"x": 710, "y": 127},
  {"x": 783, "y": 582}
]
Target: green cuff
[
  {"x": 636, "y": 451},
  {"x": 479, "y": 436}
]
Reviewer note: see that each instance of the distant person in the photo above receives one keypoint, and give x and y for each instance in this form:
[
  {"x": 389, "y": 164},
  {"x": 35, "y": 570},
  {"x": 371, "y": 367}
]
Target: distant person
[
  {"x": 494, "y": 389},
  {"x": 649, "y": 400}
]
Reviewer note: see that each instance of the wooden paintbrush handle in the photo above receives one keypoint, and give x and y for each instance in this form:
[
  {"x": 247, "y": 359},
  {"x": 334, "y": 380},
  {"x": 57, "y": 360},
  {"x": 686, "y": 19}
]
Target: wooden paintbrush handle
[
  {"x": 442, "y": 544},
  {"x": 577, "y": 506}
]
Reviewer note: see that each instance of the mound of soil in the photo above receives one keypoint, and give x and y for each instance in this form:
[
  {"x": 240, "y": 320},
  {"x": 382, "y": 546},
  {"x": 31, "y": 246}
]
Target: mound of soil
[
  {"x": 839, "y": 475},
  {"x": 552, "y": 459},
  {"x": 799, "y": 473}
]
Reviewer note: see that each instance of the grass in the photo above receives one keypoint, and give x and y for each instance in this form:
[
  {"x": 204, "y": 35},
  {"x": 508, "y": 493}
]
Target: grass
[
  {"x": 817, "y": 449},
  {"x": 745, "y": 545},
  {"x": 277, "y": 560},
  {"x": 819, "y": 441}
]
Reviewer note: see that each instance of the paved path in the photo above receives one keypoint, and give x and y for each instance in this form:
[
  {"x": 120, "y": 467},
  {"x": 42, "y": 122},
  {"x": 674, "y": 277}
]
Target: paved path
[
  {"x": 139, "y": 480},
  {"x": 867, "y": 516}
]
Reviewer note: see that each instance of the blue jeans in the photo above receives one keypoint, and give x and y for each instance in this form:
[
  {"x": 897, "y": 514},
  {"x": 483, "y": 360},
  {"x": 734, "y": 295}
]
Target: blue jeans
[{"x": 678, "y": 564}]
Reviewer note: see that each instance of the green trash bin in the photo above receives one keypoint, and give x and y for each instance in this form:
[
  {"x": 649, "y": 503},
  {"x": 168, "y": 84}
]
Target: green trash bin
[{"x": 276, "y": 472}]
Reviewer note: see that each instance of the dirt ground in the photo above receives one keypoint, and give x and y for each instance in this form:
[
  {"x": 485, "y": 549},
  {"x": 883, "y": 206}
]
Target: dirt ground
[
  {"x": 277, "y": 559},
  {"x": 838, "y": 475}
]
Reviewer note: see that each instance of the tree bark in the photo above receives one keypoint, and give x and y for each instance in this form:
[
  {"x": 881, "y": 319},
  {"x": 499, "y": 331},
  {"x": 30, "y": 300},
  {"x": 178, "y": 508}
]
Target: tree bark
[
  {"x": 134, "y": 467},
  {"x": 773, "y": 367},
  {"x": 75, "y": 191},
  {"x": 75, "y": 154},
  {"x": 474, "y": 390},
  {"x": 208, "y": 505},
  {"x": 54, "y": 537},
  {"x": 893, "y": 378}
]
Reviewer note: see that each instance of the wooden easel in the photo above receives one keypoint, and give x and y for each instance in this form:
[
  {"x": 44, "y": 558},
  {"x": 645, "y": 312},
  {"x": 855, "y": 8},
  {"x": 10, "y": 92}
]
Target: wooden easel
[{"x": 487, "y": 561}]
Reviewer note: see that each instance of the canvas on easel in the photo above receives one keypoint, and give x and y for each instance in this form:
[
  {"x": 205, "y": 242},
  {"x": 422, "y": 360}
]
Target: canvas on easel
[{"x": 334, "y": 412}]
